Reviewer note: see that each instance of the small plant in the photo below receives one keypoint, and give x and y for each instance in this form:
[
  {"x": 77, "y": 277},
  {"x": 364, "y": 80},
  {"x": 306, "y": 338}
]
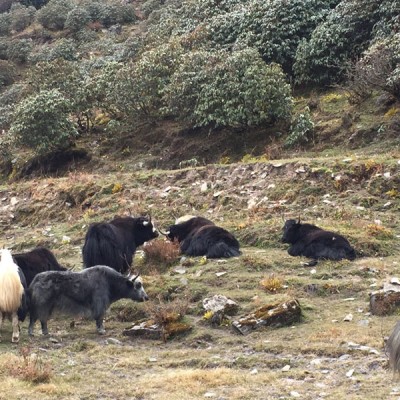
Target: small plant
[
  {"x": 168, "y": 315},
  {"x": 302, "y": 129},
  {"x": 379, "y": 231},
  {"x": 31, "y": 368},
  {"x": 118, "y": 187},
  {"x": 394, "y": 193},
  {"x": 272, "y": 284},
  {"x": 161, "y": 254}
]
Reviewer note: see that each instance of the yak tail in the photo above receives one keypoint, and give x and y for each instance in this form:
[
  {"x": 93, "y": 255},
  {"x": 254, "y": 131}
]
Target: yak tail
[
  {"x": 222, "y": 250},
  {"x": 393, "y": 348},
  {"x": 100, "y": 247}
]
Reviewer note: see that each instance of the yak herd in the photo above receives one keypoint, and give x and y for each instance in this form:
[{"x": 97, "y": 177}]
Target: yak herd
[{"x": 35, "y": 283}]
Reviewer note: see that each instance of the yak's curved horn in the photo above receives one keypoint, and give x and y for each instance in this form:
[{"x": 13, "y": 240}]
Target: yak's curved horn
[
  {"x": 134, "y": 279},
  {"x": 164, "y": 233}
]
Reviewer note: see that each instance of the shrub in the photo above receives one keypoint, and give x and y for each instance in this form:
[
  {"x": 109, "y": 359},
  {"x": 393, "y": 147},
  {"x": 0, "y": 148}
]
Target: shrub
[
  {"x": 389, "y": 22},
  {"x": 31, "y": 367},
  {"x": 21, "y": 17},
  {"x": 19, "y": 50},
  {"x": 41, "y": 122},
  {"x": 5, "y": 24},
  {"x": 8, "y": 99},
  {"x": 228, "y": 89},
  {"x": 137, "y": 88},
  {"x": 378, "y": 69},
  {"x": 54, "y": 14},
  {"x": 276, "y": 26},
  {"x": 77, "y": 19},
  {"x": 160, "y": 254},
  {"x": 302, "y": 129},
  {"x": 7, "y": 73},
  {"x": 322, "y": 58}
]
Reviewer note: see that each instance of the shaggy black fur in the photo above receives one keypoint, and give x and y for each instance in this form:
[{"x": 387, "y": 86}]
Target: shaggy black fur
[
  {"x": 200, "y": 237},
  {"x": 35, "y": 261},
  {"x": 89, "y": 292},
  {"x": 310, "y": 241},
  {"x": 114, "y": 243}
]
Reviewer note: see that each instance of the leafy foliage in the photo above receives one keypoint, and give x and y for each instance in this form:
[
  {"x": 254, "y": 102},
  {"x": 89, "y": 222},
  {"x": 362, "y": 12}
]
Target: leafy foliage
[
  {"x": 21, "y": 16},
  {"x": 41, "y": 122},
  {"x": 322, "y": 58},
  {"x": 229, "y": 89},
  {"x": 19, "y": 50},
  {"x": 54, "y": 14},
  {"x": 301, "y": 130},
  {"x": 77, "y": 19}
]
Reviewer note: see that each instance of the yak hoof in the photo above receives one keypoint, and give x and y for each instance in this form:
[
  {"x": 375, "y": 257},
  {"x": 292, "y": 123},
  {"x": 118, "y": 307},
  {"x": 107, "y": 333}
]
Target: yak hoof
[
  {"x": 101, "y": 331},
  {"x": 15, "y": 339}
]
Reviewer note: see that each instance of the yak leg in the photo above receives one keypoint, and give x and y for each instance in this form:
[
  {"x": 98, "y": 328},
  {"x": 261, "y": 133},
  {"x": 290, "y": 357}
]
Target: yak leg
[
  {"x": 15, "y": 325},
  {"x": 100, "y": 326},
  {"x": 45, "y": 330}
]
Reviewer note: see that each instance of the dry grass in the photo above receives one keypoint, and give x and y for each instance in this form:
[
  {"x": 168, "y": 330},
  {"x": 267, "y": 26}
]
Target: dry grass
[
  {"x": 160, "y": 255},
  {"x": 30, "y": 367}
]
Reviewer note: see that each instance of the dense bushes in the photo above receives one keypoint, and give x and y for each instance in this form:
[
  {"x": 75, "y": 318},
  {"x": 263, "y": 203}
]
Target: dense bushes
[
  {"x": 230, "y": 89},
  {"x": 41, "y": 122},
  {"x": 335, "y": 42}
]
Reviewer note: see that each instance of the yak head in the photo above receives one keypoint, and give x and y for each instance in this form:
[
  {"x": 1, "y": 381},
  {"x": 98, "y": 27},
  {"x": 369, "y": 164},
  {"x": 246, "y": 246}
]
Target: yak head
[
  {"x": 144, "y": 229},
  {"x": 136, "y": 289},
  {"x": 290, "y": 231}
]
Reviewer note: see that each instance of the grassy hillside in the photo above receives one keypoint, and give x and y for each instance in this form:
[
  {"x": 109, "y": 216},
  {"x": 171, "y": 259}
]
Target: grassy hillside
[{"x": 353, "y": 192}]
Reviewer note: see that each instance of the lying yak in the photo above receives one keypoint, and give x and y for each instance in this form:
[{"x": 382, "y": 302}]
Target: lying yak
[
  {"x": 12, "y": 293},
  {"x": 35, "y": 261},
  {"x": 199, "y": 236},
  {"x": 89, "y": 293},
  {"x": 114, "y": 243},
  {"x": 310, "y": 241}
]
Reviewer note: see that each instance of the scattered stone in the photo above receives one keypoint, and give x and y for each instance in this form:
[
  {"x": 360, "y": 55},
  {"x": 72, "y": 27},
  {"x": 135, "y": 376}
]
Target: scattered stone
[
  {"x": 53, "y": 340},
  {"x": 350, "y": 373},
  {"x": 152, "y": 359},
  {"x": 349, "y": 299},
  {"x": 210, "y": 394},
  {"x": 179, "y": 271},
  {"x": 273, "y": 315},
  {"x": 113, "y": 341},
  {"x": 220, "y": 303},
  {"x": 220, "y": 273},
  {"x": 348, "y": 318},
  {"x": 286, "y": 368},
  {"x": 295, "y": 394},
  {"x": 204, "y": 187},
  {"x": 254, "y": 371}
]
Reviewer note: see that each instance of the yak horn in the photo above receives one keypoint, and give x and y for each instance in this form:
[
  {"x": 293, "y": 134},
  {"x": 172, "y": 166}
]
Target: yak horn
[
  {"x": 134, "y": 279},
  {"x": 164, "y": 233}
]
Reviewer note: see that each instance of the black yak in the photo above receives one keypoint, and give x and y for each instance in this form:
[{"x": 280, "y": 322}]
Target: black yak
[
  {"x": 310, "y": 241},
  {"x": 12, "y": 293},
  {"x": 114, "y": 243},
  {"x": 89, "y": 293},
  {"x": 35, "y": 261},
  {"x": 199, "y": 236}
]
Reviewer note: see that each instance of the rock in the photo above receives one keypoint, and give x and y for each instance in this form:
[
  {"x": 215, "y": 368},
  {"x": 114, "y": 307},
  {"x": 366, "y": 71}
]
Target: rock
[
  {"x": 348, "y": 318},
  {"x": 286, "y": 368},
  {"x": 273, "y": 315},
  {"x": 220, "y": 303}
]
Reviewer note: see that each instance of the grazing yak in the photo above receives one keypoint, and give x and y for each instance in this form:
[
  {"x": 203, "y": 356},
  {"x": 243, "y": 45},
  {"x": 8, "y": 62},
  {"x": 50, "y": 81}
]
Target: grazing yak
[
  {"x": 35, "y": 261},
  {"x": 199, "y": 236},
  {"x": 310, "y": 241},
  {"x": 114, "y": 243},
  {"x": 89, "y": 293},
  {"x": 12, "y": 293}
]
